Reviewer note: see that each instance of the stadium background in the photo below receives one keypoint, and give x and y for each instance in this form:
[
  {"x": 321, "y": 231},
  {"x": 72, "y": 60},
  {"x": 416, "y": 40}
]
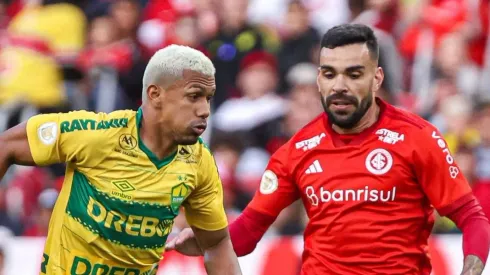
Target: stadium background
[{"x": 91, "y": 54}]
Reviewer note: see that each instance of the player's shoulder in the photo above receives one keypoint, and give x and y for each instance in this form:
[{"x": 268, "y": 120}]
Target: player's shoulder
[
  {"x": 399, "y": 117},
  {"x": 410, "y": 124},
  {"x": 308, "y": 137},
  {"x": 310, "y": 134}
]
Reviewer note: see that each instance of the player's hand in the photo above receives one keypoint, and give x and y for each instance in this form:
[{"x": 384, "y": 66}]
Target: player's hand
[{"x": 185, "y": 243}]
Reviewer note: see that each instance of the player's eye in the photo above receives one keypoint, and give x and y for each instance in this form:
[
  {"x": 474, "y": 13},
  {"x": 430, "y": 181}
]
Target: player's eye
[
  {"x": 193, "y": 97},
  {"x": 355, "y": 75},
  {"x": 329, "y": 75},
  {"x": 209, "y": 98}
]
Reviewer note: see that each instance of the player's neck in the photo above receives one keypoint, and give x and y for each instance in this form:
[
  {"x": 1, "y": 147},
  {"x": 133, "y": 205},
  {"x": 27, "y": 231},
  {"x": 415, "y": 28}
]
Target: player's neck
[
  {"x": 369, "y": 118},
  {"x": 154, "y": 136}
]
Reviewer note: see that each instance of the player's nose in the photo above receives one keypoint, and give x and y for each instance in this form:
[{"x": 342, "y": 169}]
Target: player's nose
[
  {"x": 339, "y": 85},
  {"x": 203, "y": 110}
]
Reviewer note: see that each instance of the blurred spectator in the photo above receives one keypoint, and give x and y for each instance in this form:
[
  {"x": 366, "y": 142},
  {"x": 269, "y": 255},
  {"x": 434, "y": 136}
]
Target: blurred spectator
[
  {"x": 304, "y": 98},
  {"x": 454, "y": 122},
  {"x": 37, "y": 21},
  {"x": 227, "y": 149},
  {"x": 126, "y": 14},
  {"x": 482, "y": 154},
  {"x": 256, "y": 114},
  {"x": 300, "y": 41},
  {"x": 234, "y": 40},
  {"x": 452, "y": 64},
  {"x": 105, "y": 48},
  {"x": 6, "y": 221},
  {"x": 40, "y": 221}
]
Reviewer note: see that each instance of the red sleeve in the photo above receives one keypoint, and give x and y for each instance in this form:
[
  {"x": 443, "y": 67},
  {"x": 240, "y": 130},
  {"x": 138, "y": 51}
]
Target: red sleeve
[
  {"x": 247, "y": 230},
  {"x": 277, "y": 190},
  {"x": 468, "y": 215},
  {"x": 436, "y": 170}
]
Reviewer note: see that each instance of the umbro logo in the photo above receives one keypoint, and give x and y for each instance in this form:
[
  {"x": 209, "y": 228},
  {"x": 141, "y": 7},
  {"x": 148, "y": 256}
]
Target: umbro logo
[{"x": 314, "y": 168}]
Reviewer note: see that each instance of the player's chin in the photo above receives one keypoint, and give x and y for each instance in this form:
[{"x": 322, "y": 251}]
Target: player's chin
[{"x": 188, "y": 139}]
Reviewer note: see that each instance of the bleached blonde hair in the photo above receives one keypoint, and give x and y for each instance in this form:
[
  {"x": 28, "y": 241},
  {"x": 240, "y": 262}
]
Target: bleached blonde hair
[{"x": 170, "y": 62}]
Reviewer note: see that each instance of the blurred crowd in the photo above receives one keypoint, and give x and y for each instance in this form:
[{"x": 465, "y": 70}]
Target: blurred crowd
[{"x": 91, "y": 54}]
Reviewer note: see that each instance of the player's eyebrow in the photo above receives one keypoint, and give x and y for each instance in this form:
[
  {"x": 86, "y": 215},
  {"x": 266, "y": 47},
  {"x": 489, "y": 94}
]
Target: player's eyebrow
[
  {"x": 327, "y": 68},
  {"x": 202, "y": 89},
  {"x": 355, "y": 68}
]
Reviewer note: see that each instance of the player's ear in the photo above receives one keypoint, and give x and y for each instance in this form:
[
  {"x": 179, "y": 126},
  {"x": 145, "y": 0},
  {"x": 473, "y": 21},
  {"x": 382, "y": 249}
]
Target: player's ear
[
  {"x": 378, "y": 79},
  {"x": 153, "y": 93}
]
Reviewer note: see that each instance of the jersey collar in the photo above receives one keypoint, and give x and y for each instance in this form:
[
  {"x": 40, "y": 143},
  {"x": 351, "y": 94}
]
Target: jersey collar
[
  {"x": 159, "y": 163},
  {"x": 356, "y": 139}
]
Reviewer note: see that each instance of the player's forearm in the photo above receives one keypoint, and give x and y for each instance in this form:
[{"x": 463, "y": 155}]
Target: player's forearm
[
  {"x": 221, "y": 259},
  {"x": 472, "y": 266},
  {"x": 247, "y": 230},
  {"x": 470, "y": 219}
]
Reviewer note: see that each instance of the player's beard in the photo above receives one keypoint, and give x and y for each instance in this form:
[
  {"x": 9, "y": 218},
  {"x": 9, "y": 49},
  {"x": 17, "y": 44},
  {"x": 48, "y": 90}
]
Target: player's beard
[{"x": 352, "y": 120}]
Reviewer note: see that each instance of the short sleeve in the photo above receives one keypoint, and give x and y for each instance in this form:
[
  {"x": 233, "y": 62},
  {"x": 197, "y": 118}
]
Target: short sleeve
[
  {"x": 277, "y": 189},
  {"x": 54, "y": 138},
  {"x": 436, "y": 170},
  {"x": 204, "y": 207}
]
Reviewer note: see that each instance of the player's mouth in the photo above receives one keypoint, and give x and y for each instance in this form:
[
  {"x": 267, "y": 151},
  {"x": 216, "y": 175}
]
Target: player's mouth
[
  {"x": 341, "y": 105},
  {"x": 199, "y": 128}
]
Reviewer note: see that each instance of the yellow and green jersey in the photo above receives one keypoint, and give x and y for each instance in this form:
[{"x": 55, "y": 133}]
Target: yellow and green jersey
[{"x": 118, "y": 200}]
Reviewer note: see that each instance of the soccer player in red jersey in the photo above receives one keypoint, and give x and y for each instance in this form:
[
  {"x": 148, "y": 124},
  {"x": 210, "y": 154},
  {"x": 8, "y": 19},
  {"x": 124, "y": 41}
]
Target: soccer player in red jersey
[{"x": 369, "y": 175}]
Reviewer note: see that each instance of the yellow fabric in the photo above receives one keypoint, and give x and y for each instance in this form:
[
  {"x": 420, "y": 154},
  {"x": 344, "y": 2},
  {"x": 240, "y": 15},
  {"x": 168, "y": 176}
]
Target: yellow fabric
[
  {"x": 29, "y": 76},
  {"x": 118, "y": 203},
  {"x": 62, "y": 25},
  {"x": 470, "y": 138}
]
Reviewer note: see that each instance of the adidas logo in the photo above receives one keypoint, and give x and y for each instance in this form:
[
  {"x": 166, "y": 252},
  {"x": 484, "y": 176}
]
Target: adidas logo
[{"x": 314, "y": 168}]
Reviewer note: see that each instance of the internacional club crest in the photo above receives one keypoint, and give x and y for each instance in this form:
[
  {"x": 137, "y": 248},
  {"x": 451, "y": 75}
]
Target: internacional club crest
[{"x": 379, "y": 161}]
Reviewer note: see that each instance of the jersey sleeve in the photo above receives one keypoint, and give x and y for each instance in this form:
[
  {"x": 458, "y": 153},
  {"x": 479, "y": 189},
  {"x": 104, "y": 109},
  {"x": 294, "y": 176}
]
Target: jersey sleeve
[
  {"x": 277, "y": 189},
  {"x": 204, "y": 207},
  {"x": 436, "y": 170},
  {"x": 56, "y": 138}
]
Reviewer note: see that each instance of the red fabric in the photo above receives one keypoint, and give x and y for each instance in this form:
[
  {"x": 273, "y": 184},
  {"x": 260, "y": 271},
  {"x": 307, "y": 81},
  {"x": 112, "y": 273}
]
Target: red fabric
[
  {"x": 476, "y": 47},
  {"x": 32, "y": 43},
  {"x": 258, "y": 57},
  {"x": 481, "y": 189},
  {"x": 247, "y": 230},
  {"x": 30, "y": 184},
  {"x": 441, "y": 17},
  {"x": 35, "y": 231},
  {"x": 370, "y": 202},
  {"x": 467, "y": 214},
  {"x": 117, "y": 55},
  {"x": 282, "y": 258}
]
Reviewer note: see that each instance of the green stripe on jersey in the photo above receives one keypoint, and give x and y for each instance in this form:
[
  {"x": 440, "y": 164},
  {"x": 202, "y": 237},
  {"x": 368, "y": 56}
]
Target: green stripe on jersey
[{"x": 136, "y": 225}]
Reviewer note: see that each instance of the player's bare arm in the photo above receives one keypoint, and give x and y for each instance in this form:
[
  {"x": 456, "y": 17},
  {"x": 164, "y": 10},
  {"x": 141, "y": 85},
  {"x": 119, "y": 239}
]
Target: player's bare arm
[
  {"x": 15, "y": 148},
  {"x": 472, "y": 266},
  {"x": 219, "y": 257},
  {"x": 185, "y": 243}
]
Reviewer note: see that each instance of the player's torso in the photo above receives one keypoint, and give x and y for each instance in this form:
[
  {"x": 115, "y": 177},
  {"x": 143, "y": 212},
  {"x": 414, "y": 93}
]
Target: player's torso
[
  {"x": 116, "y": 212},
  {"x": 362, "y": 199}
]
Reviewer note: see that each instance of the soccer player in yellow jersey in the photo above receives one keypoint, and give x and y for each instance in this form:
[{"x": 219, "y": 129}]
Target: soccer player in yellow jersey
[{"x": 129, "y": 172}]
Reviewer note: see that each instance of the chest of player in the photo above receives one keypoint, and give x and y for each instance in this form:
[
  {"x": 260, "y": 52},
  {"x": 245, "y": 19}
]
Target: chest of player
[
  {"x": 142, "y": 181},
  {"x": 378, "y": 170}
]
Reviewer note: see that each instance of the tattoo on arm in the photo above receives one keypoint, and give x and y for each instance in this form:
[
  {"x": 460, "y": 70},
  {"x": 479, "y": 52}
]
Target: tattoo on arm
[{"x": 472, "y": 266}]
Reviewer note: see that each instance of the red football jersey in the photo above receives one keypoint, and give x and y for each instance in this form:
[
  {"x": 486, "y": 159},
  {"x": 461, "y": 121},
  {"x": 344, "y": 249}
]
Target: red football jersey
[{"x": 369, "y": 197}]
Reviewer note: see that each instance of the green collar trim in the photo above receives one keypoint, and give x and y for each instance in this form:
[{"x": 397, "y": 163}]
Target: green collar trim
[{"x": 153, "y": 158}]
